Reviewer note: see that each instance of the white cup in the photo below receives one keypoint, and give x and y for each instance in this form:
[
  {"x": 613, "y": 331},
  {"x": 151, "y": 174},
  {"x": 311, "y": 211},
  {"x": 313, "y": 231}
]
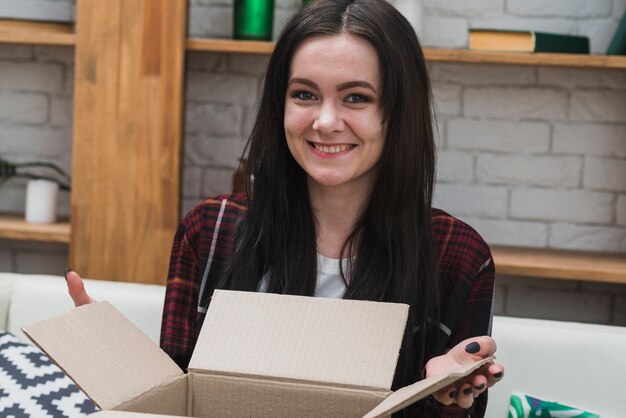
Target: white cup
[{"x": 41, "y": 201}]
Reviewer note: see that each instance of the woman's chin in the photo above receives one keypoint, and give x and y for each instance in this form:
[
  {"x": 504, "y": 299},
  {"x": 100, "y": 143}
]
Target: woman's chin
[{"x": 327, "y": 181}]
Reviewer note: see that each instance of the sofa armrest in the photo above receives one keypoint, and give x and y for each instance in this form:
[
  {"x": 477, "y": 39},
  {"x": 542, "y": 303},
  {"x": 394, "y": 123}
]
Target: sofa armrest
[
  {"x": 37, "y": 297},
  {"x": 581, "y": 365}
]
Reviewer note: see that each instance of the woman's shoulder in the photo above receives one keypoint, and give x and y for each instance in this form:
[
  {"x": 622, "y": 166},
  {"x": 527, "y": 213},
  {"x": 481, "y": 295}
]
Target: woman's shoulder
[
  {"x": 224, "y": 209},
  {"x": 213, "y": 205},
  {"x": 457, "y": 241}
]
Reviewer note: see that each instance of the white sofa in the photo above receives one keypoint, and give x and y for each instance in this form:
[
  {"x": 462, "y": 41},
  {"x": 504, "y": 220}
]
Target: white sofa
[{"x": 576, "y": 364}]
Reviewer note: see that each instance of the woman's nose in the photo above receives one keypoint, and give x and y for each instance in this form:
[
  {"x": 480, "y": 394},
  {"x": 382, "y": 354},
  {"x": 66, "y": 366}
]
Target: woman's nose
[{"x": 329, "y": 119}]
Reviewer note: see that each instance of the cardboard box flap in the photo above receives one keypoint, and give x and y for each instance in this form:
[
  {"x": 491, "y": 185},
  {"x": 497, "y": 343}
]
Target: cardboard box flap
[
  {"x": 104, "y": 353},
  {"x": 329, "y": 341},
  {"x": 410, "y": 394}
]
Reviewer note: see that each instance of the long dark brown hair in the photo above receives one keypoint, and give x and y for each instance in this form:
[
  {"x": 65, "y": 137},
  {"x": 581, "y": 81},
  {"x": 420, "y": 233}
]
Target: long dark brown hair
[{"x": 395, "y": 253}]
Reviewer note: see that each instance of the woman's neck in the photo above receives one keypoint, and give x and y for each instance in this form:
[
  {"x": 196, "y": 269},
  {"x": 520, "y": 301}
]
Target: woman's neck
[{"x": 336, "y": 210}]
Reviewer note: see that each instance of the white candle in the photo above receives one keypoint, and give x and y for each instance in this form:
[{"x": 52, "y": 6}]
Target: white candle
[{"x": 41, "y": 201}]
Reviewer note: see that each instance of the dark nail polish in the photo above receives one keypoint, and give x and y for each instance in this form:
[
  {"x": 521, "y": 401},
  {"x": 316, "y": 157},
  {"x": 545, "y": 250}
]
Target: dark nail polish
[
  {"x": 468, "y": 391},
  {"x": 481, "y": 387},
  {"x": 472, "y": 348},
  {"x": 497, "y": 375},
  {"x": 67, "y": 270},
  {"x": 453, "y": 394}
]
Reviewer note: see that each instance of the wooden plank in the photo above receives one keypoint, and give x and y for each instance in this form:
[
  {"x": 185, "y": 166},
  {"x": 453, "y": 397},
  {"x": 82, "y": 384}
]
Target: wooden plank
[
  {"x": 541, "y": 59},
  {"x": 15, "y": 227},
  {"x": 560, "y": 264},
  {"x": 13, "y": 31},
  {"x": 37, "y": 38},
  {"x": 229, "y": 45},
  {"x": 34, "y": 26},
  {"x": 128, "y": 102}
]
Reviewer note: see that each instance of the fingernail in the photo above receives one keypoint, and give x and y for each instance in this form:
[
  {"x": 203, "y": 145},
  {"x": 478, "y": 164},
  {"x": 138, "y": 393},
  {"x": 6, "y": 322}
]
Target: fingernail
[
  {"x": 468, "y": 391},
  {"x": 497, "y": 375},
  {"x": 481, "y": 387},
  {"x": 453, "y": 394},
  {"x": 67, "y": 270},
  {"x": 472, "y": 348}
]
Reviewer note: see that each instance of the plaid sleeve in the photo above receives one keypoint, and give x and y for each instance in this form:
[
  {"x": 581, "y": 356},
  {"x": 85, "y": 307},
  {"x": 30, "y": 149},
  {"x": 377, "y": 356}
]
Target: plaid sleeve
[
  {"x": 467, "y": 272},
  {"x": 205, "y": 238},
  {"x": 181, "y": 295}
]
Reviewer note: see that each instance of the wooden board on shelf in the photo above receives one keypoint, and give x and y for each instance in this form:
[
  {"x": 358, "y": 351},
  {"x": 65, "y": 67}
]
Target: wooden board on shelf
[
  {"x": 35, "y": 32},
  {"x": 128, "y": 99},
  {"x": 560, "y": 264},
  {"x": 15, "y": 227},
  {"x": 230, "y": 45},
  {"x": 520, "y": 58}
]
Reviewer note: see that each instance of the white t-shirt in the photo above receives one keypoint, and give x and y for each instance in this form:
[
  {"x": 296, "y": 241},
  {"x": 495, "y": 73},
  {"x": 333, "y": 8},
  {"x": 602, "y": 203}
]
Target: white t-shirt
[{"x": 329, "y": 282}]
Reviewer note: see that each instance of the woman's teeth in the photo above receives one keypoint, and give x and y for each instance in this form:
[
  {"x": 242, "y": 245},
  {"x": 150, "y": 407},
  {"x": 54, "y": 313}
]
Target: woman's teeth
[{"x": 332, "y": 149}]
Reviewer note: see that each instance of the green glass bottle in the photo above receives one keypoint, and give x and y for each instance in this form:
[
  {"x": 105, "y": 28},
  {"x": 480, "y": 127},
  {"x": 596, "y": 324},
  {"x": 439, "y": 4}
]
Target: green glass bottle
[{"x": 253, "y": 19}]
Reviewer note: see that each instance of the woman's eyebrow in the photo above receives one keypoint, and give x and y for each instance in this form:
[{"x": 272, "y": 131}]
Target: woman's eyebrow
[
  {"x": 356, "y": 83},
  {"x": 304, "y": 81}
]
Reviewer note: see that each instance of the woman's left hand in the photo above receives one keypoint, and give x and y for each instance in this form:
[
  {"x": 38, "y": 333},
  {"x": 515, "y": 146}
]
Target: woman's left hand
[{"x": 463, "y": 392}]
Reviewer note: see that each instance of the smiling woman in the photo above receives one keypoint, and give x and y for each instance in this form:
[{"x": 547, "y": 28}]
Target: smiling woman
[{"x": 341, "y": 162}]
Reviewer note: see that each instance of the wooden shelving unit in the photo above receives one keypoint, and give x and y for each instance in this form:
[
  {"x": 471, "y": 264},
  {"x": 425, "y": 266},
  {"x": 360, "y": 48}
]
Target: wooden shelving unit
[
  {"x": 14, "y": 227},
  {"x": 569, "y": 265}
]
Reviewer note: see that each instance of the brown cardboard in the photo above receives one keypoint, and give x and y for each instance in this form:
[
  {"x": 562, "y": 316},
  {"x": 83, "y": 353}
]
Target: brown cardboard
[
  {"x": 258, "y": 354},
  {"x": 104, "y": 353}
]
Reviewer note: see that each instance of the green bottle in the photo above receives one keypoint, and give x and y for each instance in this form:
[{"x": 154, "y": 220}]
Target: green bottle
[{"x": 253, "y": 19}]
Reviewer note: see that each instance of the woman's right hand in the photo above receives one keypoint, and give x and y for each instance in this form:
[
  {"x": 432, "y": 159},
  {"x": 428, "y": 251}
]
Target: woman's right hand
[{"x": 76, "y": 289}]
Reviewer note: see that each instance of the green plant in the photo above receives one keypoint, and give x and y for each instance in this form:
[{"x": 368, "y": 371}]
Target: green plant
[{"x": 10, "y": 170}]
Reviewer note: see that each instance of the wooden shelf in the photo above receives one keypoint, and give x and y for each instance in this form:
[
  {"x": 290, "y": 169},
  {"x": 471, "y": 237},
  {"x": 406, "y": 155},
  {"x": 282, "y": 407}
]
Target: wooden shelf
[
  {"x": 14, "y": 227},
  {"x": 36, "y": 33},
  {"x": 229, "y": 45},
  {"x": 47, "y": 37},
  {"x": 560, "y": 264},
  {"x": 520, "y": 58},
  {"x": 436, "y": 55}
]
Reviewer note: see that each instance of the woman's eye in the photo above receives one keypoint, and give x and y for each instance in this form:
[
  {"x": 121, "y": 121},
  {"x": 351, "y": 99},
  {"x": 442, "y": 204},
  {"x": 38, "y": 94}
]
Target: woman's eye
[
  {"x": 357, "y": 98},
  {"x": 303, "y": 95}
]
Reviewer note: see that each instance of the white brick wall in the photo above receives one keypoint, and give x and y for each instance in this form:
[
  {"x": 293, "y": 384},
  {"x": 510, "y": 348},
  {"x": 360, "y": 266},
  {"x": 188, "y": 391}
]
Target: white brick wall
[
  {"x": 529, "y": 170},
  {"x": 605, "y": 174},
  {"x": 621, "y": 210},
  {"x": 562, "y": 205},
  {"x": 57, "y": 10},
  {"x": 590, "y": 139},
  {"x": 536, "y": 103},
  {"x": 592, "y": 238},
  {"x": 560, "y": 8},
  {"x": 498, "y": 136},
  {"x": 530, "y": 156}
]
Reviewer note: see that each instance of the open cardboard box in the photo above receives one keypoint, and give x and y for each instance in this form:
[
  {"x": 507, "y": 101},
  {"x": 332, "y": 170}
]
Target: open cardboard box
[{"x": 258, "y": 354}]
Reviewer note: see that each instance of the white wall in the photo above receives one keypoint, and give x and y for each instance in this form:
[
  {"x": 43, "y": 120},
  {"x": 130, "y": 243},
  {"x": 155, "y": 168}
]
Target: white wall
[{"x": 530, "y": 156}]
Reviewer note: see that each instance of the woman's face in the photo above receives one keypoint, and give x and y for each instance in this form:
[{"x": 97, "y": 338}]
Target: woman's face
[{"x": 333, "y": 120}]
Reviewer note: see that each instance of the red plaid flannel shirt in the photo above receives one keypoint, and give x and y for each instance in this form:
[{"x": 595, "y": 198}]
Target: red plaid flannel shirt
[{"x": 466, "y": 270}]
